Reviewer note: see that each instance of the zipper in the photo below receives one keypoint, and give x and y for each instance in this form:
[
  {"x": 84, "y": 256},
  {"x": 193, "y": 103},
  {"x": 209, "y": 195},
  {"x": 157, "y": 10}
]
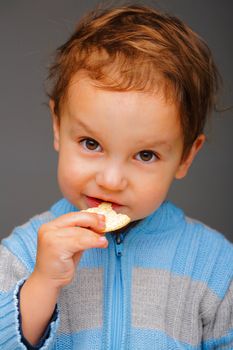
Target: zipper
[
  {"x": 119, "y": 244},
  {"x": 117, "y": 305}
]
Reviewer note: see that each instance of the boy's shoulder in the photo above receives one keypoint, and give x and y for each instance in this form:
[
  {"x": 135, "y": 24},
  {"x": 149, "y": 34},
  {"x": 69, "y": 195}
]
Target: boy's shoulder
[
  {"x": 208, "y": 236},
  {"x": 22, "y": 242},
  {"x": 207, "y": 240},
  {"x": 24, "y": 237},
  {"x": 199, "y": 252},
  {"x": 30, "y": 227},
  {"x": 194, "y": 240},
  {"x": 33, "y": 224},
  {"x": 195, "y": 229},
  {"x": 212, "y": 254},
  {"x": 169, "y": 217}
]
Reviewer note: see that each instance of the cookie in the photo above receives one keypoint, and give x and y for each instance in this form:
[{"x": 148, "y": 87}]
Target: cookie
[{"x": 113, "y": 220}]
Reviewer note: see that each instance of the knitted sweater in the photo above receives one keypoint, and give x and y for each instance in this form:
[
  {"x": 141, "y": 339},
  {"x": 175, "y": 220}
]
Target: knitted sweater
[{"x": 165, "y": 283}]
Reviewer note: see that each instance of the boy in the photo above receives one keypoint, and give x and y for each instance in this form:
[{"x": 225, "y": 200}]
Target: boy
[{"x": 131, "y": 92}]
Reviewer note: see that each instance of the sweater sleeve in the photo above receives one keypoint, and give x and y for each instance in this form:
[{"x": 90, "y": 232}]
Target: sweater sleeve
[
  {"x": 13, "y": 273},
  {"x": 218, "y": 332}
]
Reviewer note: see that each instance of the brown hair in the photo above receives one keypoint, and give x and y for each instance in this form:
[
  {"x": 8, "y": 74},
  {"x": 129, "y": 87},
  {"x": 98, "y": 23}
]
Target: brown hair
[{"x": 139, "y": 48}]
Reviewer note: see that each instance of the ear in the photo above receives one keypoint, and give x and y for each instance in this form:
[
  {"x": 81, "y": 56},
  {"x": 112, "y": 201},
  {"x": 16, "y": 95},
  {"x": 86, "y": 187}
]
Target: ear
[
  {"x": 56, "y": 126},
  {"x": 186, "y": 163}
]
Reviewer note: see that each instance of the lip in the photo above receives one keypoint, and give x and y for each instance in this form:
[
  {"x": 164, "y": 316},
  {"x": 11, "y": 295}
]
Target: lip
[{"x": 94, "y": 202}]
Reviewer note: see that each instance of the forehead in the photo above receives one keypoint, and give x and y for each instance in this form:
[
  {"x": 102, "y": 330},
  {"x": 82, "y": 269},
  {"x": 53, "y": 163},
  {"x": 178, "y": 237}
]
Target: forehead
[
  {"x": 81, "y": 84},
  {"x": 113, "y": 81},
  {"x": 141, "y": 112}
]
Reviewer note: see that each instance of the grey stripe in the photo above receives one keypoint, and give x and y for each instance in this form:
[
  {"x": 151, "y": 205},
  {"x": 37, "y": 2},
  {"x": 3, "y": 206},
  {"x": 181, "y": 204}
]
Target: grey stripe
[
  {"x": 11, "y": 269},
  {"x": 81, "y": 301},
  {"x": 173, "y": 304},
  {"x": 222, "y": 321}
]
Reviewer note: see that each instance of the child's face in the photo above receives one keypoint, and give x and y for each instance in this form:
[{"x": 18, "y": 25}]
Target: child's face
[{"x": 120, "y": 147}]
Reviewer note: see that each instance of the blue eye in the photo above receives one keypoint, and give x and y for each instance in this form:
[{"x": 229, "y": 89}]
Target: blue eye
[
  {"x": 90, "y": 145},
  {"x": 146, "y": 156}
]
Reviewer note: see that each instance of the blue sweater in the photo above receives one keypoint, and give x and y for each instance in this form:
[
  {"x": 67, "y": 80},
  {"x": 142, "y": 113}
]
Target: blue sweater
[{"x": 164, "y": 282}]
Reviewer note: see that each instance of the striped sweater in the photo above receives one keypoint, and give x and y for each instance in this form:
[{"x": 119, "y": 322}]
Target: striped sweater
[{"x": 164, "y": 282}]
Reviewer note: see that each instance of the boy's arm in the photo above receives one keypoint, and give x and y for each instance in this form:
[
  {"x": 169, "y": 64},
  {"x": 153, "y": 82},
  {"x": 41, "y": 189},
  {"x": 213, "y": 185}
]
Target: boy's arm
[
  {"x": 61, "y": 243},
  {"x": 37, "y": 299},
  {"x": 13, "y": 273},
  {"x": 218, "y": 332}
]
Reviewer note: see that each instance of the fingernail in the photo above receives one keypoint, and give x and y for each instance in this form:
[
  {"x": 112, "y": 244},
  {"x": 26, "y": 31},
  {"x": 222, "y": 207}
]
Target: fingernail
[{"x": 103, "y": 239}]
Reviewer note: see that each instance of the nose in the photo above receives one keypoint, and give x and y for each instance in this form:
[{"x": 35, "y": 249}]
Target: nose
[{"x": 112, "y": 177}]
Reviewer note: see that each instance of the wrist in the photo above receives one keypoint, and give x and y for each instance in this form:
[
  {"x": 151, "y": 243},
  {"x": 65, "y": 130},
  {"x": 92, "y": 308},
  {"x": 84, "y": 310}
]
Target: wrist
[
  {"x": 38, "y": 300},
  {"x": 42, "y": 282}
]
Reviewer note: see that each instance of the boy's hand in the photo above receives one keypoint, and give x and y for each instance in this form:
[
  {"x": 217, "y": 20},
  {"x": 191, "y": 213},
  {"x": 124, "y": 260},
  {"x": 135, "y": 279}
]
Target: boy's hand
[
  {"x": 60, "y": 246},
  {"x": 61, "y": 243}
]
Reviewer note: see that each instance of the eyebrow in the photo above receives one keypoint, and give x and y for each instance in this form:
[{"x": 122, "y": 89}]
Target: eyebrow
[
  {"x": 145, "y": 145},
  {"x": 155, "y": 144},
  {"x": 83, "y": 125}
]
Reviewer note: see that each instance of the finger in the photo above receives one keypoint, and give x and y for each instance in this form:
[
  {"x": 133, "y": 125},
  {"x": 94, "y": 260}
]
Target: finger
[
  {"x": 78, "y": 239},
  {"x": 83, "y": 219}
]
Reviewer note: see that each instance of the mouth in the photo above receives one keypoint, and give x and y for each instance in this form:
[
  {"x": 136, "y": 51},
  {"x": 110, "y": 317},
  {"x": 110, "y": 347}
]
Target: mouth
[{"x": 94, "y": 202}]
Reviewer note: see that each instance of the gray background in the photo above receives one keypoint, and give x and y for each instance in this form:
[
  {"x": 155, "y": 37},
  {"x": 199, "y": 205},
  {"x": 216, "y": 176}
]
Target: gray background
[{"x": 29, "y": 33}]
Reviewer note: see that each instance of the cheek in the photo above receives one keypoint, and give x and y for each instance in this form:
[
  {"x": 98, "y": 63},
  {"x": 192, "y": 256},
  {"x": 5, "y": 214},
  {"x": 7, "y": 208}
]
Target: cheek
[
  {"x": 152, "y": 192},
  {"x": 73, "y": 171},
  {"x": 67, "y": 182},
  {"x": 151, "y": 195},
  {"x": 69, "y": 174},
  {"x": 148, "y": 195}
]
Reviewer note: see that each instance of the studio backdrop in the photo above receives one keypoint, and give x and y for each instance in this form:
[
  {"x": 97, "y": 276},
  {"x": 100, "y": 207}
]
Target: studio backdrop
[{"x": 30, "y": 31}]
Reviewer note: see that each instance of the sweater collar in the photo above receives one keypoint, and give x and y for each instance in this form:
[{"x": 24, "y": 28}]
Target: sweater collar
[{"x": 164, "y": 218}]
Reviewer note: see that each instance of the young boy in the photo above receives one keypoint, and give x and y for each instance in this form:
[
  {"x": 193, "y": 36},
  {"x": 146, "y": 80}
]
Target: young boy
[{"x": 131, "y": 91}]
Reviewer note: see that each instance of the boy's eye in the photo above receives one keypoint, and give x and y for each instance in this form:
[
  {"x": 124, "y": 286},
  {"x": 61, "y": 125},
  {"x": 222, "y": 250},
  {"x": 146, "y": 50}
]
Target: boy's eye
[
  {"x": 90, "y": 145},
  {"x": 146, "y": 156}
]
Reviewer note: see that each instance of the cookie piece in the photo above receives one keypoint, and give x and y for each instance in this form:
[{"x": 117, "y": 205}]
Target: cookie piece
[{"x": 113, "y": 220}]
